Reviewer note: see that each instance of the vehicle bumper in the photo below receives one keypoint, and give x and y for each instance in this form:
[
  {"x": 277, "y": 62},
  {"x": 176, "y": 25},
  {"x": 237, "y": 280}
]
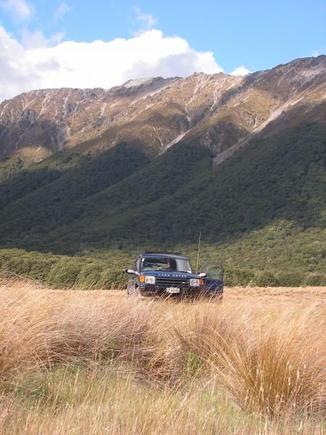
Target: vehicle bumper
[{"x": 154, "y": 290}]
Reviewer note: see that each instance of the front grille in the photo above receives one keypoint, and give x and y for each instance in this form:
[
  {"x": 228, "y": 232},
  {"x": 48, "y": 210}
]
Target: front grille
[{"x": 172, "y": 282}]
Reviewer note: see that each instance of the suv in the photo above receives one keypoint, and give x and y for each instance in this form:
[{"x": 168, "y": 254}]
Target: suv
[{"x": 171, "y": 274}]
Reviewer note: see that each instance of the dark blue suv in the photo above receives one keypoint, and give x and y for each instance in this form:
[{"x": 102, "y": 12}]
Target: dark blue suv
[{"x": 171, "y": 274}]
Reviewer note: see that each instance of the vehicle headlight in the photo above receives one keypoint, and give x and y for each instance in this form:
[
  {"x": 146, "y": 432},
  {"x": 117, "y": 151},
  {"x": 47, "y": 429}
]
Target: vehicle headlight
[
  {"x": 149, "y": 279},
  {"x": 194, "y": 282}
]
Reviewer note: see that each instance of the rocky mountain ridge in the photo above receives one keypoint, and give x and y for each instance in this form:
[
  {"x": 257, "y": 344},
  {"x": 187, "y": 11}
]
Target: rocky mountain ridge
[{"x": 220, "y": 112}]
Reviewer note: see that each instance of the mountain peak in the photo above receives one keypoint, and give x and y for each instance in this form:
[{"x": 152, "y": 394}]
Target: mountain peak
[{"x": 141, "y": 82}]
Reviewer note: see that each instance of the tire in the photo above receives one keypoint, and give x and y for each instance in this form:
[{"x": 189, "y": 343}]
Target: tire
[
  {"x": 132, "y": 290},
  {"x": 218, "y": 298}
]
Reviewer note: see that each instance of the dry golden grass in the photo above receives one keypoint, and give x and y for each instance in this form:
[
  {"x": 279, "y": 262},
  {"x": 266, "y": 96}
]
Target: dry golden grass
[{"x": 100, "y": 362}]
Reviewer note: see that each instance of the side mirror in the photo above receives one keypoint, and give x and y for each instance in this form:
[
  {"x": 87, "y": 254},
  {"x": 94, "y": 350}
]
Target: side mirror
[
  {"x": 130, "y": 271},
  {"x": 202, "y": 275}
]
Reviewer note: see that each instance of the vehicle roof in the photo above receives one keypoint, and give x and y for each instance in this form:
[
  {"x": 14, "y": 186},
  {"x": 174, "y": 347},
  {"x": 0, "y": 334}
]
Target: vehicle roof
[{"x": 162, "y": 254}]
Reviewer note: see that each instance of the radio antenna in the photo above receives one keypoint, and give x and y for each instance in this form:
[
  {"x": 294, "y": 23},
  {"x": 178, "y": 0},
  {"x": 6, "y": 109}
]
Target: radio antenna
[{"x": 198, "y": 252}]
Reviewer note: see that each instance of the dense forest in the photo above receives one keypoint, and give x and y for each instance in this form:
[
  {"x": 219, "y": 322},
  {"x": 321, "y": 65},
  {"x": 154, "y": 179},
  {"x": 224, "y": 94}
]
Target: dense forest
[{"x": 262, "y": 213}]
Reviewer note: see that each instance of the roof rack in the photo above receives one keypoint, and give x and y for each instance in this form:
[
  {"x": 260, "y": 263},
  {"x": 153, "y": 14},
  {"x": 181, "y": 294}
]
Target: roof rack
[{"x": 163, "y": 253}]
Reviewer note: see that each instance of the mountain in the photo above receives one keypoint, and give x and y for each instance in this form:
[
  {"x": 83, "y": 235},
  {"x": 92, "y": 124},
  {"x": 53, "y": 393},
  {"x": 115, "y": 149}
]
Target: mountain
[
  {"x": 154, "y": 162},
  {"x": 219, "y": 111}
]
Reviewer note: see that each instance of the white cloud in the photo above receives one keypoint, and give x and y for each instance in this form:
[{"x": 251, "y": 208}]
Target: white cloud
[
  {"x": 96, "y": 64},
  {"x": 36, "y": 39},
  {"x": 21, "y": 9},
  {"x": 147, "y": 20},
  {"x": 240, "y": 71},
  {"x": 62, "y": 9}
]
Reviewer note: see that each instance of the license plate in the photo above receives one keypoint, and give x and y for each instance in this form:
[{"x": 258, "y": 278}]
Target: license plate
[{"x": 173, "y": 290}]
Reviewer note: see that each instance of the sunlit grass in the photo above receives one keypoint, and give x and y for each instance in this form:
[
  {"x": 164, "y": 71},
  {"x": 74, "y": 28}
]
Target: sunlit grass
[{"x": 98, "y": 362}]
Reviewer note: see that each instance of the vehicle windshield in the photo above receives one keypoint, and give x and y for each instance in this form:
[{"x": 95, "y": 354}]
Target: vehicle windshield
[{"x": 165, "y": 264}]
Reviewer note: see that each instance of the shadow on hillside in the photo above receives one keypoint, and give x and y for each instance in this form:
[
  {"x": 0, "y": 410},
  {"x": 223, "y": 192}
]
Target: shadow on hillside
[
  {"x": 29, "y": 130},
  {"x": 175, "y": 196}
]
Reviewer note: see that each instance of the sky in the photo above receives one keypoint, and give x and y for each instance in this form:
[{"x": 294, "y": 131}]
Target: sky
[{"x": 98, "y": 43}]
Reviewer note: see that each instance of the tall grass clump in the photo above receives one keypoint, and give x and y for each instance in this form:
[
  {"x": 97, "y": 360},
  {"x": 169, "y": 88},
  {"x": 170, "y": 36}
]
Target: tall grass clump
[
  {"x": 27, "y": 334},
  {"x": 271, "y": 363},
  {"x": 265, "y": 359}
]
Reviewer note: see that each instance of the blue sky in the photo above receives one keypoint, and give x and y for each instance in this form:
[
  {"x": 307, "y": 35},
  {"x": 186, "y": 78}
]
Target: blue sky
[
  {"x": 258, "y": 34},
  {"x": 252, "y": 34}
]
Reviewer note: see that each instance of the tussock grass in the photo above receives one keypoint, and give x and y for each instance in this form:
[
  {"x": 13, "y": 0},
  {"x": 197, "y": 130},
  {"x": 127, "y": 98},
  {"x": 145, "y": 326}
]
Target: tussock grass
[
  {"x": 271, "y": 363},
  {"x": 76, "y": 362}
]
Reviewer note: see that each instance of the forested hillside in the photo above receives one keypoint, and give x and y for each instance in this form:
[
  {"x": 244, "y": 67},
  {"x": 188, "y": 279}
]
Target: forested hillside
[
  {"x": 264, "y": 208},
  {"x": 246, "y": 168}
]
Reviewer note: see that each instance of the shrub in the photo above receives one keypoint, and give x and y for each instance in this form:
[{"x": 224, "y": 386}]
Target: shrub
[
  {"x": 234, "y": 277},
  {"x": 315, "y": 279},
  {"x": 41, "y": 268},
  {"x": 90, "y": 276},
  {"x": 113, "y": 279},
  {"x": 64, "y": 273},
  {"x": 289, "y": 279},
  {"x": 19, "y": 265},
  {"x": 265, "y": 279}
]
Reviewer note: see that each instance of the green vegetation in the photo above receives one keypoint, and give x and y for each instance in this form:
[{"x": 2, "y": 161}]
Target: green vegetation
[
  {"x": 9, "y": 168},
  {"x": 104, "y": 269},
  {"x": 49, "y": 192},
  {"x": 262, "y": 212},
  {"x": 61, "y": 271}
]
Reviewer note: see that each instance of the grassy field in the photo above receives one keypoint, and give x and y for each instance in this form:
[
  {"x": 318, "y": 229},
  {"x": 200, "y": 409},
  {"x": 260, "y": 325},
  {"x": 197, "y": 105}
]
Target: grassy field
[{"x": 79, "y": 362}]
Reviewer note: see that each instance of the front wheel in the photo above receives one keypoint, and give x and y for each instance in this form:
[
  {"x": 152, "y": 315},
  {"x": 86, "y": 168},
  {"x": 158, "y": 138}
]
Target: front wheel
[
  {"x": 217, "y": 297},
  {"x": 133, "y": 290}
]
